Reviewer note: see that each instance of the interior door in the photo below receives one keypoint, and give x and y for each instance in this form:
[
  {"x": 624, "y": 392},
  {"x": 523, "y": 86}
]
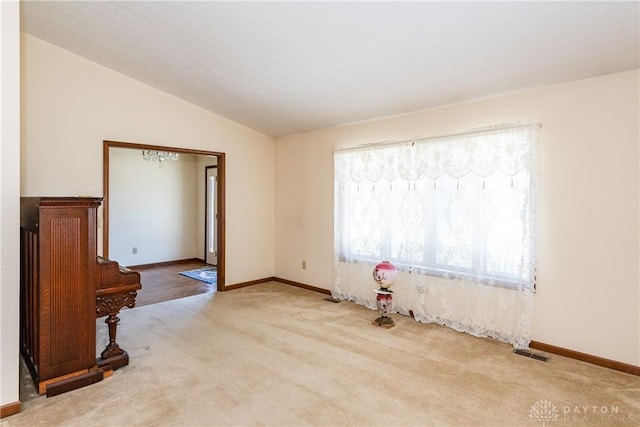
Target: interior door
[{"x": 211, "y": 214}]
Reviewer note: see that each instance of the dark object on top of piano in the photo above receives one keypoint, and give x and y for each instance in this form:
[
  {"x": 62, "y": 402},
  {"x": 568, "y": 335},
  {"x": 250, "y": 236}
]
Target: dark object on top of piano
[{"x": 61, "y": 278}]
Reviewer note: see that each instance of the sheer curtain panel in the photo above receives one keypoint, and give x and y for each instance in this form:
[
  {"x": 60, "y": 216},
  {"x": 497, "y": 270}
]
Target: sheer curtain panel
[{"x": 456, "y": 215}]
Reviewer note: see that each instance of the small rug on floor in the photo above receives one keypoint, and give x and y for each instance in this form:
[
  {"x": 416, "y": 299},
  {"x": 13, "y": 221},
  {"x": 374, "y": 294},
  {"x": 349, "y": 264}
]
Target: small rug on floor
[{"x": 206, "y": 274}]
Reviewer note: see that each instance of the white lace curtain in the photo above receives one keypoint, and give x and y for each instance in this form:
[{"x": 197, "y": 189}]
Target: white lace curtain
[{"x": 456, "y": 215}]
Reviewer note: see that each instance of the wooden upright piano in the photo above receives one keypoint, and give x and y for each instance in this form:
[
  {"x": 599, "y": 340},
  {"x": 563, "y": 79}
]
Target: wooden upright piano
[{"x": 64, "y": 286}]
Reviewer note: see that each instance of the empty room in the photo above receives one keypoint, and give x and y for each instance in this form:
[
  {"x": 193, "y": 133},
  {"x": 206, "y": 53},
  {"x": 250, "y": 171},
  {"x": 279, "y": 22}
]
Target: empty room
[{"x": 407, "y": 213}]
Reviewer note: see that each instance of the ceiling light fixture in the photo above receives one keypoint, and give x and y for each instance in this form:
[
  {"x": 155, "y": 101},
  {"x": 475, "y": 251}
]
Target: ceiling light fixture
[{"x": 159, "y": 156}]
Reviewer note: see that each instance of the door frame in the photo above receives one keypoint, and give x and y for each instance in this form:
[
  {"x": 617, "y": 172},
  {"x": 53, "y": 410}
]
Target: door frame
[{"x": 220, "y": 192}]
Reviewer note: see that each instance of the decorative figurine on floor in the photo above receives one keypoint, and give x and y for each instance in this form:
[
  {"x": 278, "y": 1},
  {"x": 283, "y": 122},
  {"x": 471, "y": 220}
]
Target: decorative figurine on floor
[{"x": 384, "y": 274}]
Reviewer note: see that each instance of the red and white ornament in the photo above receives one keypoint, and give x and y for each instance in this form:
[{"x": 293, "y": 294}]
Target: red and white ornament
[{"x": 385, "y": 274}]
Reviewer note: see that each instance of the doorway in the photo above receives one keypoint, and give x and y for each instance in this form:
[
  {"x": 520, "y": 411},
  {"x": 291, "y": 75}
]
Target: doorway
[{"x": 217, "y": 241}]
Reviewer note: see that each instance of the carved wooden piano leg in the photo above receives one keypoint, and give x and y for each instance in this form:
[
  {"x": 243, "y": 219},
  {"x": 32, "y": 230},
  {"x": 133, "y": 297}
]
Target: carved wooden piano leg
[
  {"x": 110, "y": 305},
  {"x": 113, "y": 349}
]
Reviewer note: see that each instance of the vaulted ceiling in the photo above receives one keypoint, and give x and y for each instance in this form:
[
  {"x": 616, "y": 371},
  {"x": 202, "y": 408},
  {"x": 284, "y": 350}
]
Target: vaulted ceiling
[{"x": 289, "y": 67}]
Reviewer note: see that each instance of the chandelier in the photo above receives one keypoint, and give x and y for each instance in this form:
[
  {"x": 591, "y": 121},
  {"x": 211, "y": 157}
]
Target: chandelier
[{"x": 159, "y": 156}]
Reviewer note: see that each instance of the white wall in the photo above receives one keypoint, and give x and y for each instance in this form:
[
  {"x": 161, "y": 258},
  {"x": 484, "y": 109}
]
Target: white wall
[
  {"x": 588, "y": 276},
  {"x": 70, "y": 105},
  {"x": 9, "y": 199},
  {"x": 152, "y": 208}
]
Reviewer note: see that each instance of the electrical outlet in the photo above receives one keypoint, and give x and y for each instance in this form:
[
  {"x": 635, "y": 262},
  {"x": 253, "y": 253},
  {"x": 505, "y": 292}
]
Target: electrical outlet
[
  {"x": 304, "y": 264},
  {"x": 134, "y": 250}
]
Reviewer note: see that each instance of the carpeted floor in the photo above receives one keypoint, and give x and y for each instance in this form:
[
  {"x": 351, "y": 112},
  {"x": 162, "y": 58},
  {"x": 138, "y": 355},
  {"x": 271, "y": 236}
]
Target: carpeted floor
[{"x": 277, "y": 355}]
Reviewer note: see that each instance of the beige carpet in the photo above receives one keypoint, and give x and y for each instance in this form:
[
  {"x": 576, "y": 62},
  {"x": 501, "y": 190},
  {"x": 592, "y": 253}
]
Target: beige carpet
[{"x": 277, "y": 355}]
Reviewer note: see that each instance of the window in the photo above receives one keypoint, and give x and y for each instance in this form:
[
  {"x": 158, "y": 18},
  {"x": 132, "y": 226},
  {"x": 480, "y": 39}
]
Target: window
[
  {"x": 460, "y": 205},
  {"x": 456, "y": 215}
]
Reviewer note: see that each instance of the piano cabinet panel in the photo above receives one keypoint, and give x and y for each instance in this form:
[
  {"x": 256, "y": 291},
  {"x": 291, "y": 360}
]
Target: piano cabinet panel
[{"x": 58, "y": 274}]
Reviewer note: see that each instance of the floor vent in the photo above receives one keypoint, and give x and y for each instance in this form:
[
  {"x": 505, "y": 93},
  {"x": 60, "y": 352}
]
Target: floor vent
[
  {"x": 531, "y": 355},
  {"x": 332, "y": 299}
]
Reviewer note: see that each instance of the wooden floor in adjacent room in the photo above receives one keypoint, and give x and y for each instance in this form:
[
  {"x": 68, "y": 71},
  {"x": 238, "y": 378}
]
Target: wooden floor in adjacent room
[{"x": 164, "y": 282}]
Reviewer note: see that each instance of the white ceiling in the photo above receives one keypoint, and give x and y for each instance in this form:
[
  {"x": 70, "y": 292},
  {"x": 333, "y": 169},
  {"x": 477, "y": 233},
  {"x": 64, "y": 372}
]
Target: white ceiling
[{"x": 289, "y": 67}]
